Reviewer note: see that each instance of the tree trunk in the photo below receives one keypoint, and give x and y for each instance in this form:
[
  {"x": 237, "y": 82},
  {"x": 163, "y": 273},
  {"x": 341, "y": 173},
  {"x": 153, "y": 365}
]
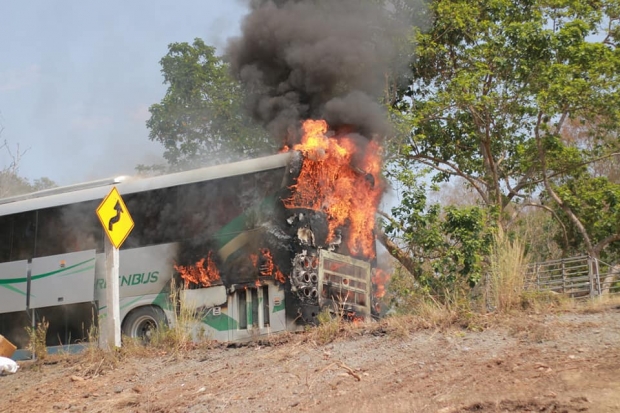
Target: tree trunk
[{"x": 395, "y": 251}]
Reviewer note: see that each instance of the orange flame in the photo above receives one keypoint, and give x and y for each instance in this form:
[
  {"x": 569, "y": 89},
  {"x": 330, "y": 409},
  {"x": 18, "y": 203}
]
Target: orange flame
[
  {"x": 354, "y": 318},
  {"x": 266, "y": 269},
  {"x": 279, "y": 276},
  {"x": 200, "y": 274},
  {"x": 329, "y": 182},
  {"x": 380, "y": 278}
]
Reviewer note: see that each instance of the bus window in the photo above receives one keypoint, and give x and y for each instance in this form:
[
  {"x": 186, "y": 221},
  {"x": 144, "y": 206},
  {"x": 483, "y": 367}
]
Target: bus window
[
  {"x": 154, "y": 214},
  {"x": 24, "y": 233},
  {"x": 50, "y": 233},
  {"x": 6, "y": 232},
  {"x": 254, "y": 307},
  {"x": 243, "y": 310},
  {"x": 266, "y": 320},
  {"x": 83, "y": 230},
  {"x": 69, "y": 228}
]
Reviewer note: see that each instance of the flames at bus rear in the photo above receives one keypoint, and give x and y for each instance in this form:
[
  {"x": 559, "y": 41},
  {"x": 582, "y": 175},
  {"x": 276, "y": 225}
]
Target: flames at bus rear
[
  {"x": 380, "y": 278},
  {"x": 332, "y": 206},
  {"x": 341, "y": 182}
]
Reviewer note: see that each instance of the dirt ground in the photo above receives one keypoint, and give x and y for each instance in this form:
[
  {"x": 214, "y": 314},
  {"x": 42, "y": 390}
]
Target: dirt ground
[{"x": 567, "y": 362}]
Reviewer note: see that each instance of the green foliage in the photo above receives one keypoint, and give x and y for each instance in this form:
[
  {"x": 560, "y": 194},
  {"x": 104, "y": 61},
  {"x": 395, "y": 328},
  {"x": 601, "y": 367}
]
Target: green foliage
[
  {"x": 494, "y": 91},
  {"x": 201, "y": 119},
  {"x": 488, "y": 72},
  {"x": 449, "y": 243},
  {"x": 596, "y": 201}
]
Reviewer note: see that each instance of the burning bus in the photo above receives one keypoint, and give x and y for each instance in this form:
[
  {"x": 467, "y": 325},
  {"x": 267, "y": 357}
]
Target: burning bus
[{"x": 258, "y": 246}]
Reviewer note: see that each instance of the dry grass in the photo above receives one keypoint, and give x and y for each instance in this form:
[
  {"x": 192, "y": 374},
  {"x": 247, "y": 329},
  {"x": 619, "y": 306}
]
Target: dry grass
[
  {"x": 333, "y": 324},
  {"x": 545, "y": 302},
  {"x": 426, "y": 314},
  {"x": 597, "y": 304},
  {"x": 329, "y": 328},
  {"x": 506, "y": 273},
  {"x": 96, "y": 361},
  {"x": 37, "y": 340},
  {"x": 174, "y": 340},
  {"x": 399, "y": 326},
  {"x": 531, "y": 329},
  {"x": 183, "y": 334}
]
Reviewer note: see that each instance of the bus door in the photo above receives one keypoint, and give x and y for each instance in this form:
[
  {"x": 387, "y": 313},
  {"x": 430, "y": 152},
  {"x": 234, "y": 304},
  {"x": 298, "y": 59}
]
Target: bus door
[{"x": 256, "y": 311}]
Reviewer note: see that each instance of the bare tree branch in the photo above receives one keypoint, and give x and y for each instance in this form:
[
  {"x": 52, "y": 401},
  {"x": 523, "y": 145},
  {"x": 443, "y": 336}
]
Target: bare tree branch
[
  {"x": 557, "y": 218},
  {"x": 432, "y": 162}
]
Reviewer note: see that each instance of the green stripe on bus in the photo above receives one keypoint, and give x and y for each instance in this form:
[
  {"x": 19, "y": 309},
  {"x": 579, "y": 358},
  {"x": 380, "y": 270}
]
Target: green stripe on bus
[
  {"x": 220, "y": 322},
  {"x": 16, "y": 290},
  {"x": 78, "y": 271},
  {"x": 131, "y": 302},
  {"x": 47, "y": 274},
  {"x": 279, "y": 307},
  {"x": 124, "y": 305},
  {"x": 158, "y": 301}
]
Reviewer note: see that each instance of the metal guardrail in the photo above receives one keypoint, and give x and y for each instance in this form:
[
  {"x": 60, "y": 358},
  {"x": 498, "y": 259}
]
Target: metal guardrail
[{"x": 580, "y": 276}]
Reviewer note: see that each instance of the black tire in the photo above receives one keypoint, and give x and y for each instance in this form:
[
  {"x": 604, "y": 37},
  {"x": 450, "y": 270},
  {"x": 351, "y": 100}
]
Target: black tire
[{"x": 143, "y": 321}]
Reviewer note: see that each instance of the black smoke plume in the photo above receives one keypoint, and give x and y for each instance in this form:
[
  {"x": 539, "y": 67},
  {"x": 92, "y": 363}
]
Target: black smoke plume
[{"x": 324, "y": 59}]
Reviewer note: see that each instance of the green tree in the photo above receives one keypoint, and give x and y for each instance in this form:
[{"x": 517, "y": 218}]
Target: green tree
[
  {"x": 494, "y": 85},
  {"x": 441, "y": 246},
  {"x": 596, "y": 203},
  {"x": 201, "y": 119}
]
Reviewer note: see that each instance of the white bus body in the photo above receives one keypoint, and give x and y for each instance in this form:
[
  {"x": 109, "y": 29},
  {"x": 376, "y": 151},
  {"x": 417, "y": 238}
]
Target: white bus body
[{"x": 70, "y": 287}]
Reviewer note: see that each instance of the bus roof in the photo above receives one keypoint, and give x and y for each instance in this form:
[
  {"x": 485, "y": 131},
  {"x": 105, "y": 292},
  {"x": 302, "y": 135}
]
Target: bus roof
[{"x": 89, "y": 191}]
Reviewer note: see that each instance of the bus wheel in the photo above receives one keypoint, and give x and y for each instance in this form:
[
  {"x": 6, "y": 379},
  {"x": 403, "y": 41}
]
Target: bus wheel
[{"x": 143, "y": 321}]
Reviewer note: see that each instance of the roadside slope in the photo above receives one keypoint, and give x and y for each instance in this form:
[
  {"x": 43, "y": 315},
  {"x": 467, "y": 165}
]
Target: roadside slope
[{"x": 567, "y": 362}]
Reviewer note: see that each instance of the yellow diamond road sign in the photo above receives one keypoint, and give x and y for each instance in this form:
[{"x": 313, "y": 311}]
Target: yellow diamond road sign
[{"x": 115, "y": 218}]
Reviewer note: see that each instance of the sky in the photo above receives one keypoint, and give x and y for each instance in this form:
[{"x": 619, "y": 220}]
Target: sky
[{"x": 77, "y": 79}]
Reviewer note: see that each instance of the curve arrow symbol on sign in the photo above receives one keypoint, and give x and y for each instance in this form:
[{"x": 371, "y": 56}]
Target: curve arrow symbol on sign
[{"x": 117, "y": 217}]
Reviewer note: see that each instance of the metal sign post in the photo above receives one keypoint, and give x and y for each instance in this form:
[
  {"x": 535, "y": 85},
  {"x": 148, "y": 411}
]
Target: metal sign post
[{"x": 117, "y": 224}]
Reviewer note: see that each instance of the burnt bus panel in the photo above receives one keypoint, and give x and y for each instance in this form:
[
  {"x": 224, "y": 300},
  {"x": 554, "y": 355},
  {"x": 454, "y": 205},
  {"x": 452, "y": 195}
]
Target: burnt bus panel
[
  {"x": 204, "y": 298},
  {"x": 62, "y": 279},
  {"x": 344, "y": 283},
  {"x": 13, "y": 286}
]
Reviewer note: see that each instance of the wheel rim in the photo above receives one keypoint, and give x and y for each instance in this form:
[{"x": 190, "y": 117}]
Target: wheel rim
[{"x": 143, "y": 328}]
